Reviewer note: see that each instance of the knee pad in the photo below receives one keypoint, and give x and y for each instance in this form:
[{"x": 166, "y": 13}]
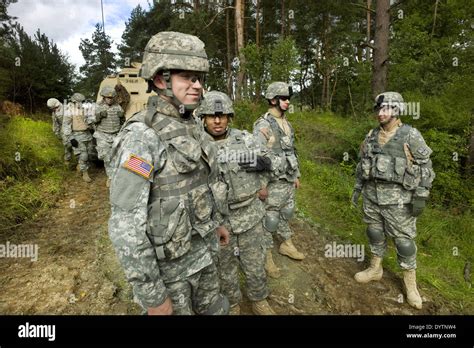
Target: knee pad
[
  {"x": 271, "y": 221},
  {"x": 375, "y": 234},
  {"x": 287, "y": 212},
  {"x": 405, "y": 247},
  {"x": 220, "y": 307}
]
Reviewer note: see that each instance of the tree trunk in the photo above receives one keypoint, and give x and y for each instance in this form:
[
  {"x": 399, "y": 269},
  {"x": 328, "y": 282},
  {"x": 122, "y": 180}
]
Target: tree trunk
[
  {"x": 229, "y": 54},
  {"x": 257, "y": 24},
  {"x": 434, "y": 17},
  {"x": 470, "y": 156},
  {"x": 239, "y": 26},
  {"x": 283, "y": 19},
  {"x": 380, "y": 65},
  {"x": 367, "y": 48}
]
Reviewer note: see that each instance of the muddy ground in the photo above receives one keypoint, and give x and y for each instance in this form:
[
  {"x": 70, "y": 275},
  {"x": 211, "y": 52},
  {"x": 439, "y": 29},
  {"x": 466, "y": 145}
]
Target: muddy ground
[{"x": 77, "y": 271}]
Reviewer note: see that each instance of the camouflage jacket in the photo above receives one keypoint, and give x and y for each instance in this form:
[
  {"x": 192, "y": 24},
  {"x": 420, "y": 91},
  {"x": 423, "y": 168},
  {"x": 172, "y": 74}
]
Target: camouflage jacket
[
  {"x": 396, "y": 172},
  {"x": 109, "y": 118},
  {"x": 245, "y": 209},
  {"x": 57, "y": 116},
  {"x": 163, "y": 216},
  {"x": 281, "y": 146},
  {"x": 75, "y": 114}
]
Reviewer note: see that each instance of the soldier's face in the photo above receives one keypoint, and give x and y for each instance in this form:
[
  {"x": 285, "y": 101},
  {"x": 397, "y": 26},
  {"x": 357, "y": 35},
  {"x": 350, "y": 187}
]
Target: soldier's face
[
  {"x": 185, "y": 85},
  {"x": 216, "y": 125},
  {"x": 284, "y": 102},
  {"x": 108, "y": 100},
  {"x": 385, "y": 114}
]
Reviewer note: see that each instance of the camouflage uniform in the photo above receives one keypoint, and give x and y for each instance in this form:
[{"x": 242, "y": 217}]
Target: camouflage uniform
[
  {"x": 109, "y": 119},
  {"x": 77, "y": 126},
  {"x": 244, "y": 222},
  {"x": 163, "y": 217},
  {"x": 57, "y": 116},
  {"x": 394, "y": 175},
  {"x": 244, "y": 211},
  {"x": 277, "y": 134}
]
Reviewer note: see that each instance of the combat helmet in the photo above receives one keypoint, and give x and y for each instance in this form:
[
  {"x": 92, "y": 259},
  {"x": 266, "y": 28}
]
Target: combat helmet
[
  {"x": 78, "y": 98},
  {"x": 108, "y": 92},
  {"x": 53, "y": 103},
  {"x": 276, "y": 89},
  {"x": 168, "y": 51},
  {"x": 392, "y": 99},
  {"x": 215, "y": 103}
]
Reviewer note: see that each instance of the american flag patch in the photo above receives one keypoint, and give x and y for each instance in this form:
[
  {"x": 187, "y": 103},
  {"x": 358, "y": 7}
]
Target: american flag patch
[{"x": 139, "y": 166}]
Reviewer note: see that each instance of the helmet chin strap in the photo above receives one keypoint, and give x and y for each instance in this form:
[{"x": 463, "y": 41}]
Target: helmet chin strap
[
  {"x": 278, "y": 107},
  {"x": 188, "y": 108}
]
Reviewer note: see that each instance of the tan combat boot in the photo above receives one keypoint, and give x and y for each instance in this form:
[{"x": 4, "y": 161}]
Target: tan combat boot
[
  {"x": 234, "y": 310},
  {"x": 373, "y": 272},
  {"x": 86, "y": 177},
  {"x": 413, "y": 296},
  {"x": 107, "y": 184},
  {"x": 272, "y": 270},
  {"x": 288, "y": 249},
  {"x": 262, "y": 308}
]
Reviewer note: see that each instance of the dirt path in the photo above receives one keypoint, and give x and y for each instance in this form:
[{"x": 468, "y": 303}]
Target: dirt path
[{"x": 77, "y": 271}]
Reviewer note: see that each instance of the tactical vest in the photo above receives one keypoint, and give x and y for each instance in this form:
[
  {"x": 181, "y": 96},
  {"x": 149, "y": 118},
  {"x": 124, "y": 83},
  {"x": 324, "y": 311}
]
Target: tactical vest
[
  {"x": 111, "y": 123},
  {"x": 389, "y": 163},
  {"x": 180, "y": 204},
  {"x": 78, "y": 122},
  {"x": 243, "y": 185},
  {"x": 283, "y": 145}
]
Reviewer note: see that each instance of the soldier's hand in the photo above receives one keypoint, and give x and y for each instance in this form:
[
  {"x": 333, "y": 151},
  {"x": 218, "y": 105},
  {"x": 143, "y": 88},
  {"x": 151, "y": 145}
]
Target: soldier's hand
[
  {"x": 297, "y": 184},
  {"x": 355, "y": 198},
  {"x": 166, "y": 308},
  {"x": 223, "y": 235},
  {"x": 417, "y": 207},
  {"x": 262, "y": 194}
]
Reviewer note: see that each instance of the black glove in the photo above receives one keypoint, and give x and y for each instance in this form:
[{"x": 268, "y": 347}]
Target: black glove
[
  {"x": 74, "y": 143},
  {"x": 417, "y": 206},
  {"x": 263, "y": 164},
  {"x": 355, "y": 197}
]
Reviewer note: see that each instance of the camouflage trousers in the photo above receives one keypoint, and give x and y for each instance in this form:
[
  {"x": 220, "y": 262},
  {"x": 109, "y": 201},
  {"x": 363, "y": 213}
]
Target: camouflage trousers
[
  {"x": 395, "y": 222},
  {"x": 83, "y": 149},
  {"x": 104, "y": 147},
  {"x": 67, "y": 149},
  {"x": 245, "y": 249},
  {"x": 197, "y": 294},
  {"x": 281, "y": 197}
]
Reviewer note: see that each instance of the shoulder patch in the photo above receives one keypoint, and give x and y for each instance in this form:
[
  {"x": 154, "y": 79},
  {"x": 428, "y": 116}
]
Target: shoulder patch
[
  {"x": 139, "y": 166},
  {"x": 423, "y": 151}
]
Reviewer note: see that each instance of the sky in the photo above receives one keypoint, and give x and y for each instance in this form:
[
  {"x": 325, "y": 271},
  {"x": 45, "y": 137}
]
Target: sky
[{"x": 67, "y": 21}]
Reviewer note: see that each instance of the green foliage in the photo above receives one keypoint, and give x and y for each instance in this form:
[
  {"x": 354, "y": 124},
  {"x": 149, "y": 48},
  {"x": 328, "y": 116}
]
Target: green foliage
[
  {"x": 31, "y": 169},
  {"x": 100, "y": 62},
  {"x": 283, "y": 60},
  {"x": 32, "y": 69}
]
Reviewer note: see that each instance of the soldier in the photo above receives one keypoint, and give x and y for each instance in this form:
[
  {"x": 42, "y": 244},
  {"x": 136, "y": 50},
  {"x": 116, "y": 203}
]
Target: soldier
[
  {"x": 109, "y": 117},
  {"x": 57, "y": 114},
  {"x": 275, "y": 132},
  {"x": 77, "y": 130},
  {"x": 163, "y": 222},
  {"x": 395, "y": 176},
  {"x": 237, "y": 151}
]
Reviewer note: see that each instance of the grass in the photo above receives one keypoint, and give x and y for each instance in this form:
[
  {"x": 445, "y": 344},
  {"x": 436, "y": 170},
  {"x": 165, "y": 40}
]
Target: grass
[{"x": 31, "y": 169}]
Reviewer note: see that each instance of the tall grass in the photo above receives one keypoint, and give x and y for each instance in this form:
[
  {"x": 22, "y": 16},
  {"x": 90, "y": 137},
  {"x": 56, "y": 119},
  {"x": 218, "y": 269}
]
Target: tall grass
[{"x": 31, "y": 169}]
